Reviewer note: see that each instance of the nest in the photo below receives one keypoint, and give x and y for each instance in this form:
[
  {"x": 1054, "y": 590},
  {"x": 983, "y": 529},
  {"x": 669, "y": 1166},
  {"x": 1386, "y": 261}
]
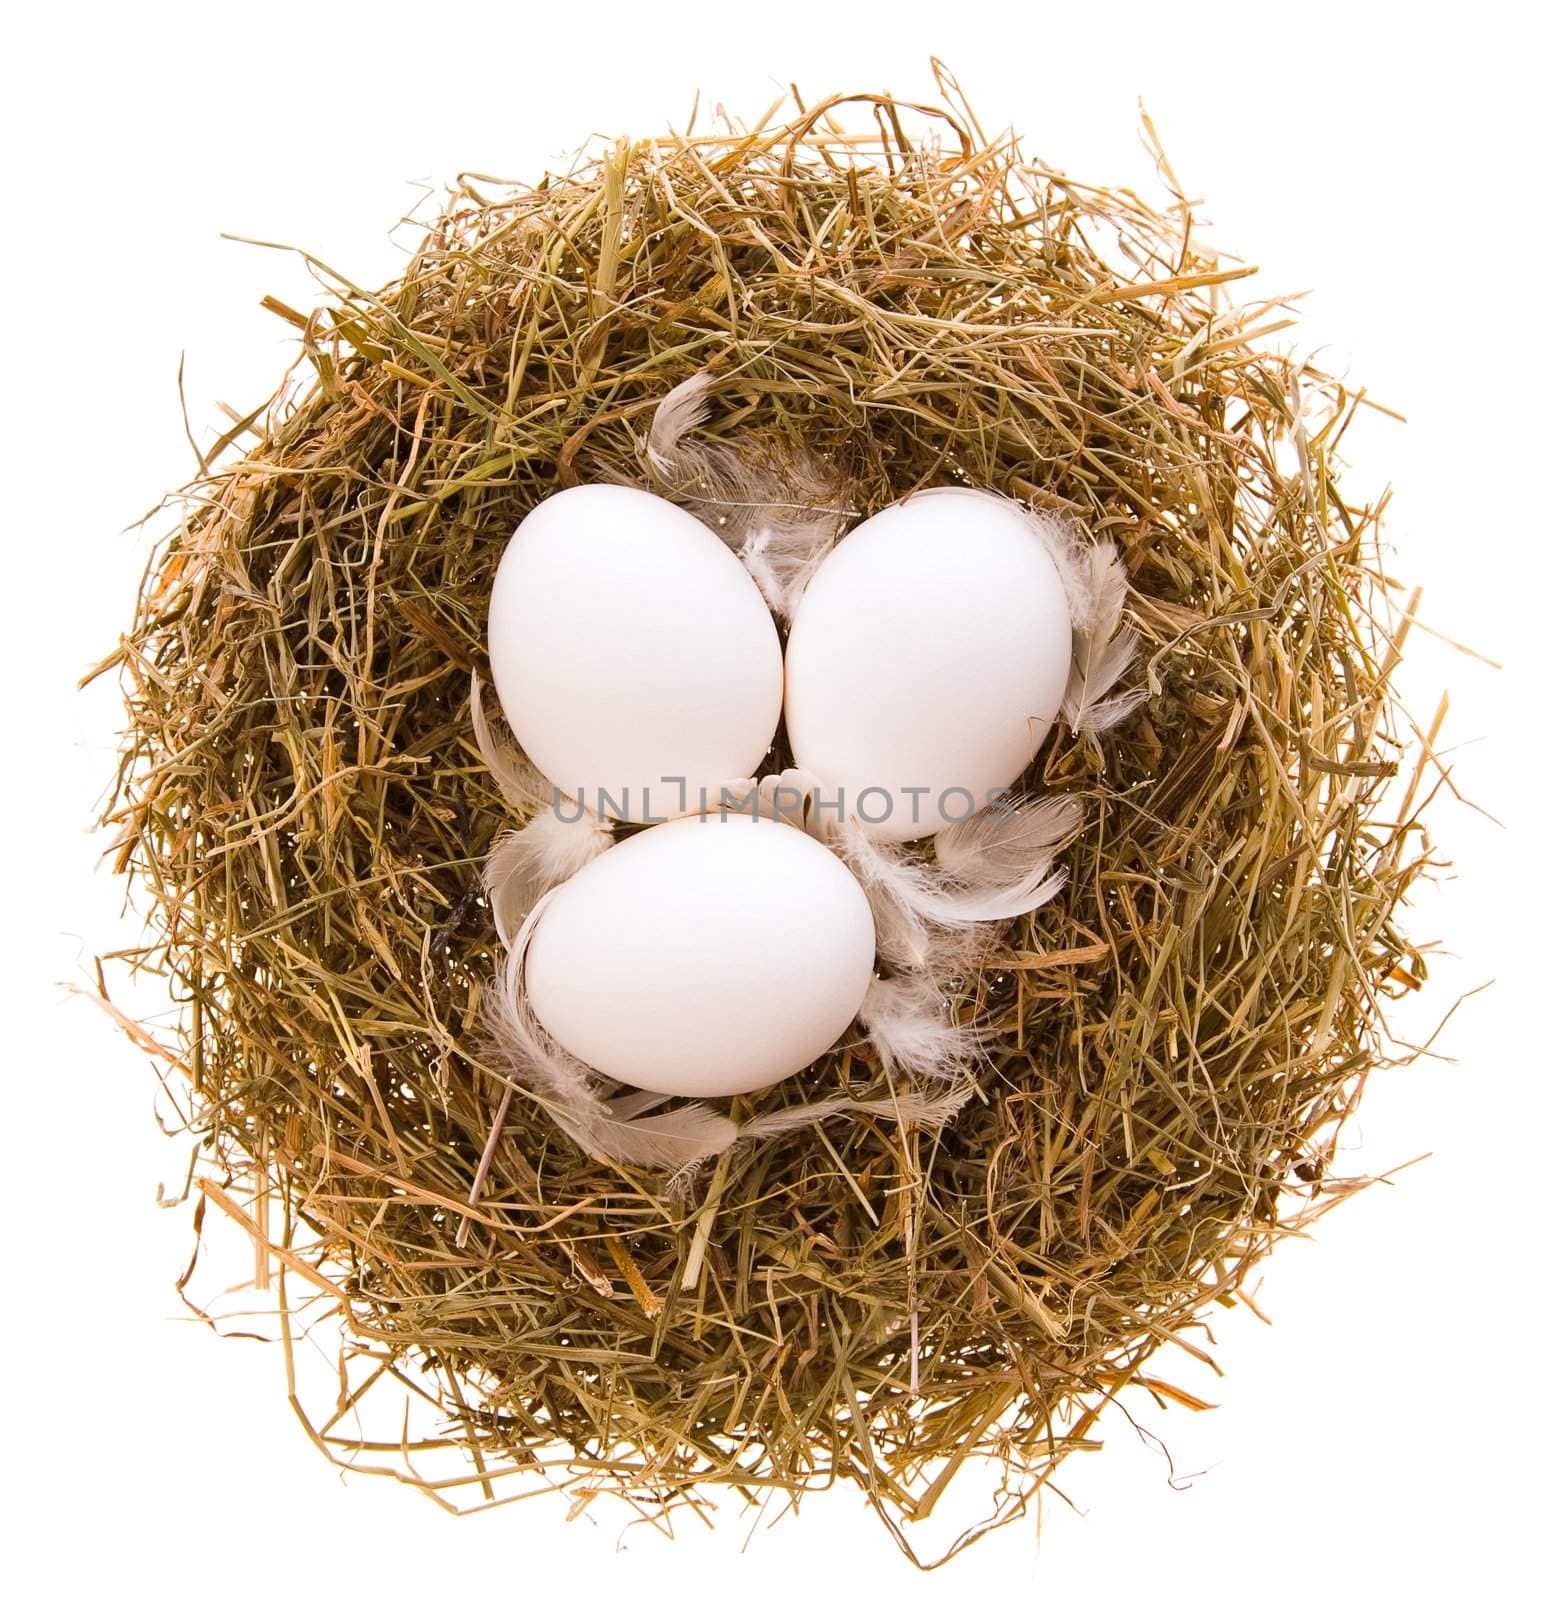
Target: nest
[{"x": 1175, "y": 1038}]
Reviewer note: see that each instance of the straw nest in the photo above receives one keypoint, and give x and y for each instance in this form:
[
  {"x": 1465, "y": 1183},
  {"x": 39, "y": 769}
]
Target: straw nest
[{"x": 1176, "y": 1037}]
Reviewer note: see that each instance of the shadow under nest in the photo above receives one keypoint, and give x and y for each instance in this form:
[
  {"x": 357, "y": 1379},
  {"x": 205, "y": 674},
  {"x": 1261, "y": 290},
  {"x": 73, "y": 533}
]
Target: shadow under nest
[{"x": 1175, "y": 1037}]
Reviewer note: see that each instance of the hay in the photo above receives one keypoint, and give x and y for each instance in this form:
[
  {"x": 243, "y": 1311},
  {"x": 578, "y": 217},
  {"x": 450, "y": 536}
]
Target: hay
[{"x": 302, "y": 806}]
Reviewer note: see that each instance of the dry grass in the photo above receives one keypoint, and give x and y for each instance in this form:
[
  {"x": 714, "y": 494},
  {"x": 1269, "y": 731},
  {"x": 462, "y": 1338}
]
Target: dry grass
[{"x": 303, "y": 809}]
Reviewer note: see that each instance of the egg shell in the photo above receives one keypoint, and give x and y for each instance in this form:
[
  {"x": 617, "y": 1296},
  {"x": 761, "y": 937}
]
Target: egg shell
[
  {"x": 709, "y": 956},
  {"x": 634, "y": 657},
  {"x": 927, "y": 661}
]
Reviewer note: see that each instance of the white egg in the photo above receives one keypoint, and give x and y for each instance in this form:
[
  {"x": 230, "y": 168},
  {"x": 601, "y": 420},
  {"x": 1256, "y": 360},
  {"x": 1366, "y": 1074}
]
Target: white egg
[
  {"x": 634, "y": 657},
  {"x": 709, "y": 956},
  {"x": 927, "y": 661}
]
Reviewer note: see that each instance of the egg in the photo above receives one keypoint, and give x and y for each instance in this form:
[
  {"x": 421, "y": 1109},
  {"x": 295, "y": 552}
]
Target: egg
[
  {"x": 927, "y": 661},
  {"x": 709, "y": 956},
  {"x": 634, "y": 657}
]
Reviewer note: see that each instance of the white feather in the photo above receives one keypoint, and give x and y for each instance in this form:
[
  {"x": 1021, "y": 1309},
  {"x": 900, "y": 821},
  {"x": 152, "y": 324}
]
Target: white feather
[
  {"x": 681, "y": 411},
  {"x": 526, "y": 1051},
  {"x": 560, "y": 838},
  {"x": 1101, "y": 653},
  {"x": 785, "y": 547},
  {"x": 1069, "y": 551},
  {"x": 912, "y": 1108},
  {"x": 943, "y": 897},
  {"x": 790, "y": 796},
  {"x": 525, "y": 863},
  {"x": 1095, "y": 583},
  {"x": 669, "y": 1140},
  {"x": 779, "y": 513},
  {"x": 907, "y": 1021},
  {"x": 1010, "y": 847},
  {"x": 519, "y": 782}
]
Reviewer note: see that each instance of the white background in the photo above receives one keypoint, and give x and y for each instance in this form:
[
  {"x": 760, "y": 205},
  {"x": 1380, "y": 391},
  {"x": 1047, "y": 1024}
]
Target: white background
[{"x": 1395, "y": 1425}]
